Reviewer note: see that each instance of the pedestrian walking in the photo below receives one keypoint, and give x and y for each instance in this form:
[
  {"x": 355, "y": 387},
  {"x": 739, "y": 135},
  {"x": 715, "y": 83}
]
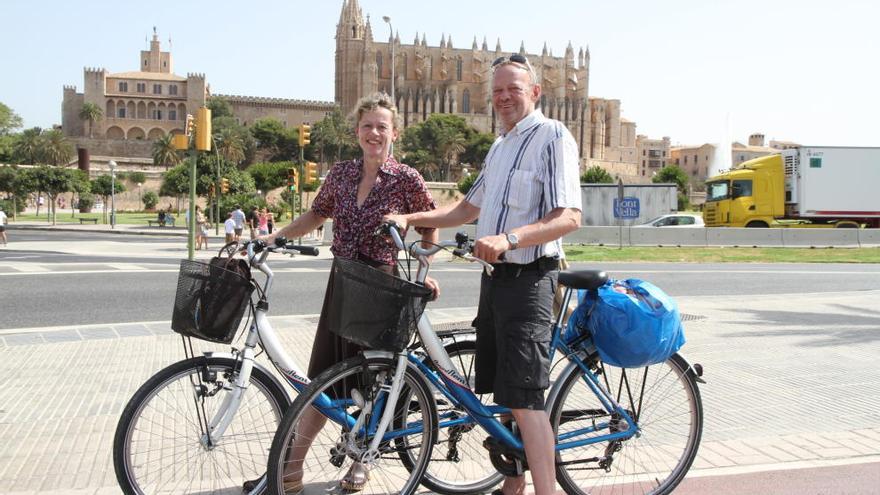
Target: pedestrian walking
[
  {"x": 263, "y": 222},
  {"x": 201, "y": 229},
  {"x": 4, "y": 221},
  {"x": 526, "y": 198},
  {"x": 239, "y": 218},
  {"x": 229, "y": 228}
]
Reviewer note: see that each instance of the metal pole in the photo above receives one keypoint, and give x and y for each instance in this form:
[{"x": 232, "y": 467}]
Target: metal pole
[
  {"x": 619, "y": 217},
  {"x": 191, "y": 221},
  {"x": 112, "y": 194},
  {"x": 299, "y": 187}
]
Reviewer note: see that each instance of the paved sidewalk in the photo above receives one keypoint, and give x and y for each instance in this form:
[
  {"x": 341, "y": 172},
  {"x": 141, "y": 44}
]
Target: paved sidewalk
[{"x": 786, "y": 388}]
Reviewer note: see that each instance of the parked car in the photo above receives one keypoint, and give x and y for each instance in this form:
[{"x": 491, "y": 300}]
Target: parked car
[{"x": 674, "y": 220}]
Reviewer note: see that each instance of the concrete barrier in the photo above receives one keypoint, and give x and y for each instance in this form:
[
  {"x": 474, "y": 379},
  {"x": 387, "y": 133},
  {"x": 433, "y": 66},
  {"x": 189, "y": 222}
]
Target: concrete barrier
[
  {"x": 659, "y": 236},
  {"x": 869, "y": 237},
  {"x": 820, "y": 237},
  {"x": 723, "y": 236},
  {"x": 600, "y": 236}
]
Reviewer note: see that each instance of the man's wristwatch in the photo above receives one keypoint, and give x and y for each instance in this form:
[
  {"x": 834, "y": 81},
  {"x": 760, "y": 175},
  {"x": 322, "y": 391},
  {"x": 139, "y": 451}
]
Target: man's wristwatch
[{"x": 513, "y": 240}]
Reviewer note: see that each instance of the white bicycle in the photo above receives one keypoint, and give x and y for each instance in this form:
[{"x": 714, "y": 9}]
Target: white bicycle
[{"x": 205, "y": 424}]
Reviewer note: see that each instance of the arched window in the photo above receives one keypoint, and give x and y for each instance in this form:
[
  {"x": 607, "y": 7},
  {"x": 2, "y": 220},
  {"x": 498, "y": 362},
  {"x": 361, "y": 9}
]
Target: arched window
[
  {"x": 379, "y": 63},
  {"x": 459, "y": 64},
  {"x": 405, "y": 66},
  {"x": 466, "y": 101}
]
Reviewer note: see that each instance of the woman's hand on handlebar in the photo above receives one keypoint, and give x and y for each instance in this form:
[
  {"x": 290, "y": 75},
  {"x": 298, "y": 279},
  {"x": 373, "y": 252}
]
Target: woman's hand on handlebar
[
  {"x": 400, "y": 220},
  {"x": 432, "y": 284}
]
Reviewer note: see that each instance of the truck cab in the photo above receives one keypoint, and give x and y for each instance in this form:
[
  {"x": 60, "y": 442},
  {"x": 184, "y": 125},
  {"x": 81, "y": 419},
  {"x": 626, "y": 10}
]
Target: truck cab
[{"x": 750, "y": 195}]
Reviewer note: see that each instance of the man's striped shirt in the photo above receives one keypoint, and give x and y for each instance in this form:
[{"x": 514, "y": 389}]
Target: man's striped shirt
[{"x": 528, "y": 172}]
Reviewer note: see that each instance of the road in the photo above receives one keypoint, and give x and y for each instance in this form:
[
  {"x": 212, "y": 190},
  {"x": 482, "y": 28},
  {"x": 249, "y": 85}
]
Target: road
[{"x": 792, "y": 400}]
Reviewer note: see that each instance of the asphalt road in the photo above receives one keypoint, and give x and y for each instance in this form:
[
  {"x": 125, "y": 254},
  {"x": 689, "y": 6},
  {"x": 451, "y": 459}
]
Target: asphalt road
[{"x": 75, "y": 289}]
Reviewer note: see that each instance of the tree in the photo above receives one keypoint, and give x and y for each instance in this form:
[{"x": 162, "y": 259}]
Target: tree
[
  {"x": 230, "y": 146},
  {"x": 9, "y": 120},
  {"x": 333, "y": 136},
  {"x": 28, "y": 147},
  {"x": 434, "y": 146},
  {"x": 219, "y": 107},
  {"x": 150, "y": 199},
  {"x": 466, "y": 183},
  {"x": 136, "y": 177},
  {"x": 596, "y": 175},
  {"x": 675, "y": 175},
  {"x": 54, "y": 181},
  {"x": 103, "y": 186},
  {"x": 9, "y": 185},
  {"x": 268, "y": 176},
  {"x": 274, "y": 142},
  {"x": 90, "y": 113},
  {"x": 57, "y": 150},
  {"x": 164, "y": 152},
  {"x": 477, "y": 148}
]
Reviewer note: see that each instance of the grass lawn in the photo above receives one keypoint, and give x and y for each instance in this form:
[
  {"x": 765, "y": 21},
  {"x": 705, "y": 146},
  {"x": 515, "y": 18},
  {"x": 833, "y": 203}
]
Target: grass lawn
[
  {"x": 723, "y": 254},
  {"x": 132, "y": 218}
]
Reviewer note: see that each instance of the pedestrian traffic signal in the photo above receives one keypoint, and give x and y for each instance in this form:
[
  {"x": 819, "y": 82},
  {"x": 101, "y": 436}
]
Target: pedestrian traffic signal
[
  {"x": 292, "y": 180},
  {"x": 203, "y": 129},
  {"x": 311, "y": 174},
  {"x": 224, "y": 185},
  {"x": 190, "y": 125},
  {"x": 305, "y": 134},
  {"x": 180, "y": 142}
]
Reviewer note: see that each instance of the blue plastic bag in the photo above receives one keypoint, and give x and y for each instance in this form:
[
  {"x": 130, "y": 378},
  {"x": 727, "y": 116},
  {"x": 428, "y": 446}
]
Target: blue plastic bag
[{"x": 633, "y": 323}]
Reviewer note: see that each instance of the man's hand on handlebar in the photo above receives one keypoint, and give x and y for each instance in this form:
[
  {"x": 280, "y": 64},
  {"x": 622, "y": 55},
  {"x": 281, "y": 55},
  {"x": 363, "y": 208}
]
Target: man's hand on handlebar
[{"x": 491, "y": 248}]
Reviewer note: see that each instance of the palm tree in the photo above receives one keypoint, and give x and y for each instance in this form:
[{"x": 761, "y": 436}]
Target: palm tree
[
  {"x": 164, "y": 152},
  {"x": 91, "y": 113},
  {"x": 333, "y": 132},
  {"x": 230, "y": 145},
  {"x": 56, "y": 148},
  {"x": 450, "y": 144},
  {"x": 28, "y": 146}
]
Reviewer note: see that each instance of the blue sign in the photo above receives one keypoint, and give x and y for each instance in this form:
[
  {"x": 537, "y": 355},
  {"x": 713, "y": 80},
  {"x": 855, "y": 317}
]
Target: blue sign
[{"x": 626, "y": 208}]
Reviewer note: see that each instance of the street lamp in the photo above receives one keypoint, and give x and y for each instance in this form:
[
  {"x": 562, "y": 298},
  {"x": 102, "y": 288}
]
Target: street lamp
[
  {"x": 391, "y": 40},
  {"x": 112, "y": 194}
]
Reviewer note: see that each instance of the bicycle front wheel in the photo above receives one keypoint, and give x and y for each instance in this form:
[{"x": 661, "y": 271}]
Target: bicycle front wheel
[
  {"x": 160, "y": 446},
  {"x": 314, "y": 454},
  {"x": 664, "y": 401}
]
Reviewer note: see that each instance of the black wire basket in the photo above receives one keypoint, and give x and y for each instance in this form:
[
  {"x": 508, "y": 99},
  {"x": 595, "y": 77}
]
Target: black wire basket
[
  {"x": 372, "y": 308},
  {"x": 211, "y": 298}
]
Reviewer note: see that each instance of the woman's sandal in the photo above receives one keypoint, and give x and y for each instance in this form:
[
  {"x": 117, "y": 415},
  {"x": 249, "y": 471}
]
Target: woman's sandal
[
  {"x": 290, "y": 486},
  {"x": 357, "y": 477}
]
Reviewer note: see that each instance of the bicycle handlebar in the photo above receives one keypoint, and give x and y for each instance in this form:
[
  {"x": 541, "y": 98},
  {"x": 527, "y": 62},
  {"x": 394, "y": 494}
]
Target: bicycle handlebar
[{"x": 463, "y": 247}]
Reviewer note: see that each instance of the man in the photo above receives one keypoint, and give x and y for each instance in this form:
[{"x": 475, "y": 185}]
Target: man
[
  {"x": 253, "y": 217},
  {"x": 3, "y": 222},
  {"x": 239, "y": 219},
  {"x": 526, "y": 197}
]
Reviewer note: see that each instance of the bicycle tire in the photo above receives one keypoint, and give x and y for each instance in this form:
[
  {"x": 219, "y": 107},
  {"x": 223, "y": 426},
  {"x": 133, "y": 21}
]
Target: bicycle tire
[
  {"x": 669, "y": 416},
  {"x": 327, "y": 457},
  {"x": 149, "y": 459},
  {"x": 460, "y": 464}
]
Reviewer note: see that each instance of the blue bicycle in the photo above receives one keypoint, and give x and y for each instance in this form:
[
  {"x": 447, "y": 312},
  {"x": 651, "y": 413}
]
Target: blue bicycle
[{"x": 618, "y": 430}]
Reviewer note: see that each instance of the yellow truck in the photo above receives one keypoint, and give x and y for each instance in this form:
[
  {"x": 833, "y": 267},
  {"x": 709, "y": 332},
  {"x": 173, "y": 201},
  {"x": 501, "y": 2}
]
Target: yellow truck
[{"x": 810, "y": 186}]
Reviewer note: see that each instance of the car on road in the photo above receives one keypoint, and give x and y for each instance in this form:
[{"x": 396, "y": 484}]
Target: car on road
[{"x": 674, "y": 220}]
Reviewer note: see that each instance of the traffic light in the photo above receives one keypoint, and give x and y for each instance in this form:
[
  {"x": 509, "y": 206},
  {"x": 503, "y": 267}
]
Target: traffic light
[
  {"x": 180, "y": 142},
  {"x": 305, "y": 134},
  {"x": 224, "y": 185},
  {"x": 211, "y": 191},
  {"x": 203, "y": 129},
  {"x": 190, "y": 125},
  {"x": 292, "y": 180},
  {"x": 311, "y": 173}
]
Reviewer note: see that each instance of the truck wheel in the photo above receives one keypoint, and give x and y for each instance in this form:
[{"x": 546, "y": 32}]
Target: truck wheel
[
  {"x": 757, "y": 225},
  {"x": 846, "y": 225}
]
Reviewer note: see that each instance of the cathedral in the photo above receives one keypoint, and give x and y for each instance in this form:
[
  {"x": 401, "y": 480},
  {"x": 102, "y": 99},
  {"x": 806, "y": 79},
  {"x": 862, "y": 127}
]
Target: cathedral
[{"x": 445, "y": 79}]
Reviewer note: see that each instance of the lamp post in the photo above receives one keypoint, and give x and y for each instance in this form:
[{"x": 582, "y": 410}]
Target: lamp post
[
  {"x": 391, "y": 40},
  {"x": 112, "y": 165}
]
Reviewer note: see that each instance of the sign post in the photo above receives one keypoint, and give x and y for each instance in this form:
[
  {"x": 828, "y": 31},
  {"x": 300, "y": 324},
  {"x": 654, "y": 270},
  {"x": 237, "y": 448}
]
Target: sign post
[{"x": 625, "y": 208}]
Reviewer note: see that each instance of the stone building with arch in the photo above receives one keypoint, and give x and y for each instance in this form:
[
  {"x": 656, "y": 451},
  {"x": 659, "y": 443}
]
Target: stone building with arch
[{"x": 139, "y": 105}]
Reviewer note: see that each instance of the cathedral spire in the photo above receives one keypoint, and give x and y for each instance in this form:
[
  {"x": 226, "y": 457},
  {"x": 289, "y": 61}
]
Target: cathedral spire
[
  {"x": 485, "y": 46},
  {"x": 449, "y": 42},
  {"x": 498, "y": 46},
  {"x": 474, "y": 46},
  {"x": 522, "y": 47},
  {"x": 443, "y": 40},
  {"x": 416, "y": 41},
  {"x": 544, "y": 51},
  {"x": 581, "y": 57}
]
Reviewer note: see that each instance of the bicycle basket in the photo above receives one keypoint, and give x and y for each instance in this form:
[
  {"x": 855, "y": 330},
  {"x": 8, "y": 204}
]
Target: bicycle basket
[
  {"x": 372, "y": 308},
  {"x": 211, "y": 298}
]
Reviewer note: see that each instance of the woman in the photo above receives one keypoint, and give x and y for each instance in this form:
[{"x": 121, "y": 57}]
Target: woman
[
  {"x": 202, "y": 227},
  {"x": 270, "y": 221},
  {"x": 263, "y": 222},
  {"x": 356, "y": 195}
]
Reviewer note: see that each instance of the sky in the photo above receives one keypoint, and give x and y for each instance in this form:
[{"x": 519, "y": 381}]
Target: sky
[{"x": 697, "y": 71}]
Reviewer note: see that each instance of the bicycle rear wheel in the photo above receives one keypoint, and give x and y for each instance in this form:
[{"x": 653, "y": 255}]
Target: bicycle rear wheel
[
  {"x": 665, "y": 402},
  {"x": 312, "y": 454},
  {"x": 158, "y": 447}
]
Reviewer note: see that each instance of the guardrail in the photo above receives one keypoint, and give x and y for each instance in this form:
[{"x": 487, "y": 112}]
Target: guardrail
[{"x": 725, "y": 236}]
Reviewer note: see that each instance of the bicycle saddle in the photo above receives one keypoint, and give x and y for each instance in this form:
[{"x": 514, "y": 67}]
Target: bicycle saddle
[{"x": 583, "y": 279}]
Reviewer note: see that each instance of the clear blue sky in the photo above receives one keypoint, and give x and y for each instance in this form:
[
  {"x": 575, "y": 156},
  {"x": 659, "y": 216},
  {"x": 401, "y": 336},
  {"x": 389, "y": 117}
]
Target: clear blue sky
[{"x": 804, "y": 71}]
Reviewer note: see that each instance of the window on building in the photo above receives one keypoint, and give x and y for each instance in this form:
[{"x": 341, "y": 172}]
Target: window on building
[
  {"x": 685, "y": 160},
  {"x": 664, "y": 153},
  {"x": 654, "y": 163},
  {"x": 696, "y": 159},
  {"x": 120, "y": 112},
  {"x": 141, "y": 87},
  {"x": 172, "y": 90},
  {"x": 654, "y": 153},
  {"x": 459, "y": 65},
  {"x": 123, "y": 87},
  {"x": 157, "y": 114},
  {"x": 644, "y": 152},
  {"x": 157, "y": 89},
  {"x": 172, "y": 114},
  {"x": 466, "y": 101},
  {"x": 379, "y": 63}
]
